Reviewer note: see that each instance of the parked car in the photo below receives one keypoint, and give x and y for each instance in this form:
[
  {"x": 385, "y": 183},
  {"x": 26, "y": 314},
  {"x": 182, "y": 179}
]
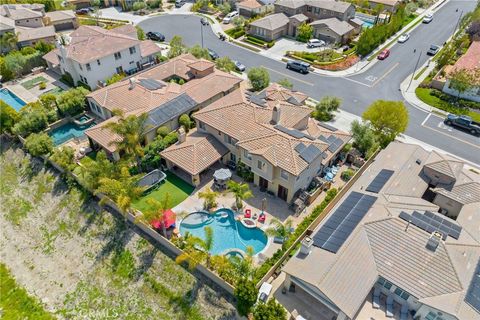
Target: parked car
[
  {"x": 83, "y": 11},
  {"x": 155, "y": 36},
  {"x": 384, "y": 54},
  {"x": 403, "y": 38},
  {"x": 264, "y": 292},
  {"x": 298, "y": 66},
  {"x": 428, "y": 18},
  {"x": 239, "y": 66},
  {"x": 433, "y": 50},
  {"x": 463, "y": 122},
  {"x": 213, "y": 54},
  {"x": 204, "y": 21},
  {"x": 315, "y": 43},
  {"x": 230, "y": 16},
  {"x": 179, "y": 3}
]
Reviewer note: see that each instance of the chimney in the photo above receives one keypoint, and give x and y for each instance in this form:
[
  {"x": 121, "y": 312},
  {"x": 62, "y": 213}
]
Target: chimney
[
  {"x": 132, "y": 83},
  {"x": 434, "y": 241},
  {"x": 182, "y": 136},
  {"x": 306, "y": 247},
  {"x": 276, "y": 114}
]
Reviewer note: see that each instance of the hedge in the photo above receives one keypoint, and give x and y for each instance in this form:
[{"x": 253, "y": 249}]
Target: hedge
[
  {"x": 270, "y": 262},
  {"x": 235, "y": 32},
  {"x": 259, "y": 42}
]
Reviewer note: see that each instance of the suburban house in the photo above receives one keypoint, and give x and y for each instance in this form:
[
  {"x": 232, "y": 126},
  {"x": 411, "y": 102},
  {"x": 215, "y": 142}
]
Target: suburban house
[
  {"x": 32, "y": 24},
  {"x": 470, "y": 62},
  {"x": 91, "y": 54},
  {"x": 271, "y": 133},
  {"x": 153, "y": 92},
  {"x": 406, "y": 233},
  {"x": 389, "y": 5},
  {"x": 333, "y": 21},
  {"x": 250, "y": 8}
]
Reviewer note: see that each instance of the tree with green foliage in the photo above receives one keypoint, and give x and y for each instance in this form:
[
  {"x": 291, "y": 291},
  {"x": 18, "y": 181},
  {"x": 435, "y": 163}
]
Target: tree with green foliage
[
  {"x": 8, "y": 41},
  {"x": 140, "y": 32},
  {"x": 324, "y": 110},
  {"x": 238, "y": 21},
  {"x": 176, "y": 47},
  {"x": 38, "y": 144},
  {"x": 246, "y": 295},
  {"x": 461, "y": 80},
  {"x": 209, "y": 198},
  {"x": 185, "y": 121},
  {"x": 154, "y": 4},
  {"x": 225, "y": 64},
  {"x": 285, "y": 83},
  {"x": 225, "y": 8},
  {"x": 138, "y": 5},
  {"x": 156, "y": 211},
  {"x": 90, "y": 174},
  {"x": 64, "y": 157},
  {"x": 197, "y": 250},
  {"x": 411, "y": 8},
  {"x": 304, "y": 32},
  {"x": 241, "y": 191},
  {"x": 131, "y": 130},
  {"x": 72, "y": 102},
  {"x": 272, "y": 310},
  {"x": 259, "y": 78},
  {"x": 15, "y": 62},
  {"x": 8, "y": 117},
  {"x": 163, "y": 131},
  {"x": 115, "y": 78},
  {"x": 280, "y": 230},
  {"x": 44, "y": 47},
  {"x": 30, "y": 122},
  {"x": 364, "y": 138},
  {"x": 388, "y": 119},
  {"x": 198, "y": 52}
]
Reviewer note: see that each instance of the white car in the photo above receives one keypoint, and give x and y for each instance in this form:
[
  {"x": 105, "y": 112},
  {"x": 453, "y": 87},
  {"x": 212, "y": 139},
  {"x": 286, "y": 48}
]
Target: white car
[
  {"x": 230, "y": 16},
  {"x": 264, "y": 292},
  {"x": 315, "y": 43},
  {"x": 403, "y": 38},
  {"x": 428, "y": 18}
]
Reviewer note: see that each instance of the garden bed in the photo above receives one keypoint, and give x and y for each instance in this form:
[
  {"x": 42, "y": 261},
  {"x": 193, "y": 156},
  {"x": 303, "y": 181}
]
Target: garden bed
[
  {"x": 235, "y": 33},
  {"x": 29, "y": 84},
  {"x": 259, "y": 42}
]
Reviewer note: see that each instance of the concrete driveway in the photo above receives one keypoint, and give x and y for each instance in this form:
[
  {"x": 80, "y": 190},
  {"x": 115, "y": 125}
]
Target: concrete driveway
[
  {"x": 116, "y": 13},
  {"x": 283, "y": 45}
]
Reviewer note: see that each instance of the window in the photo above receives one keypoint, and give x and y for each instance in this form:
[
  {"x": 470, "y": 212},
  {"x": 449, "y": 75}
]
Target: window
[
  {"x": 247, "y": 155},
  {"x": 132, "y": 50},
  {"x": 201, "y": 125},
  {"x": 117, "y": 55},
  {"x": 119, "y": 70},
  {"x": 434, "y": 316},
  {"x": 385, "y": 283},
  {"x": 402, "y": 294},
  {"x": 284, "y": 174},
  {"x": 309, "y": 9},
  {"x": 88, "y": 67},
  {"x": 80, "y": 66},
  {"x": 227, "y": 139},
  {"x": 260, "y": 165},
  {"x": 98, "y": 62}
]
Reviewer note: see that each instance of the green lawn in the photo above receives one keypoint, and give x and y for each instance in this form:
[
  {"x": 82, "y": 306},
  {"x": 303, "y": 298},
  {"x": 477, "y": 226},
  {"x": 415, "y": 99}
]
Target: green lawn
[
  {"x": 424, "y": 95},
  {"x": 29, "y": 84},
  {"x": 15, "y": 302},
  {"x": 178, "y": 189}
]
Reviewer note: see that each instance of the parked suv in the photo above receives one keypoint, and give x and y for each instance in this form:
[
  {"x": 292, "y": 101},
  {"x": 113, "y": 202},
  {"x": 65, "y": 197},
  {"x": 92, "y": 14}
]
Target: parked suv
[
  {"x": 230, "y": 16},
  {"x": 179, "y": 3},
  {"x": 314, "y": 43},
  {"x": 298, "y": 66}
]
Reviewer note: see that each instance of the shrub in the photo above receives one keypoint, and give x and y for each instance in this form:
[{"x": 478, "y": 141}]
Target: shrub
[
  {"x": 138, "y": 6},
  {"x": 246, "y": 296},
  {"x": 64, "y": 157},
  {"x": 163, "y": 131},
  {"x": 304, "y": 32},
  {"x": 8, "y": 117},
  {"x": 42, "y": 85},
  {"x": 115, "y": 78},
  {"x": 235, "y": 32},
  {"x": 72, "y": 102},
  {"x": 39, "y": 144},
  {"x": 259, "y": 78},
  {"x": 30, "y": 121},
  {"x": 28, "y": 50},
  {"x": 347, "y": 174},
  {"x": 154, "y": 4},
  {"x": 67, "y": 79},
  {"x": 185, "y": 122}
]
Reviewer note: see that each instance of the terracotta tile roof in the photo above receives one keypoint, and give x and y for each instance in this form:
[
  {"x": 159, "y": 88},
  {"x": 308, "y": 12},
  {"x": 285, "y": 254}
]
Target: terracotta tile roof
[
  {"x": 315, "y": 130},
  {"x": 201, "y": 65},
  {"x": 20, "y": 12},
  {"x": 470, "y": 62},
  {"x": 61, "y": 15},
  {"x": 277, "y": 92},
  {"x": 205, "y": 88},
  {"x": 175, "y": 67},
  {"x": 271, "y": 22},
  {"x": 128, "y": 30},
  {"x": 197, "y": 153},
  {"x": 103, "y": 136},
  {"x": 250, "y": 4},
  {"x": 28, "y": 34},
  {"x": 52, "y": 57},
  {"x": 148, "y": 48}
]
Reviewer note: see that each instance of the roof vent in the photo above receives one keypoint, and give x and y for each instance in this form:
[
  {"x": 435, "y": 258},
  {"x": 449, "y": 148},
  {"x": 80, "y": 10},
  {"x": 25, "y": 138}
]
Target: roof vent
[
  {"x": 132, "y": 83},
  {"x": 306, "y": 247},
  {"x": 418, "y": 161},
  {"x": 434, "y": 241}
]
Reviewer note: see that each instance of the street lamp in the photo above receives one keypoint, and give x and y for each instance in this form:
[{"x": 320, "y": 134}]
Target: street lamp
[{"x": 201, "y": 31}]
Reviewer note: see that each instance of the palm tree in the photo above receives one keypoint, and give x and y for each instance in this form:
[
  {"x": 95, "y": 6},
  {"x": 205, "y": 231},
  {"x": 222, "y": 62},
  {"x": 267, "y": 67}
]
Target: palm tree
[
  {"x": 209, "y": 196},
  {"x": 241, "y": 192},
  {"x": 280, "y": 230},
  {"x": 244, "y": 267},
  {"x": 9, "y": 41},
  {"x": 156, "y": 211},
  {"x": 131, "y": 130},
  {"x": 197, "y": 250}
]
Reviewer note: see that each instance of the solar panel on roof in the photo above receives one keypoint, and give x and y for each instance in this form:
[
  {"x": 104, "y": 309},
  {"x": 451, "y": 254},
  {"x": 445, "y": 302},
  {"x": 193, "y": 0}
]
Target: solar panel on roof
[
  {"x": 300, "y": 147},
  {"x": 310, "y": 153},
  {"x": 293, "y": 132},
  {"x": 331, "y": 138},
  {"x": 473, "y": 293},
  {"x": 151, "y": 84},
  {"x": 379, "y": 181},
  {"x": 171, "y": 109},
  {"x": 257, "y": 100},
  {"x": 323, "y": 138},
  {"x": 431, "y": 222},
  {"x": 335, "y": 231},
  {"x": 327, "y": 126}
]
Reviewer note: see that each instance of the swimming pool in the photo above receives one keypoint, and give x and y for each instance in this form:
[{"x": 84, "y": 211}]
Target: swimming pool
[
  {"x": 367, "y": 24},
  {"x": 228, "y": 234},
  {"x": 68, "y": 131},
  {"x": 11, "y": 99}
]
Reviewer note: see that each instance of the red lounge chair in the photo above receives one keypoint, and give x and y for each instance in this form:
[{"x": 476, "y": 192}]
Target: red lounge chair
[
  {"x": 262, "y": 217},
  {"x": 248, "y": 213}
]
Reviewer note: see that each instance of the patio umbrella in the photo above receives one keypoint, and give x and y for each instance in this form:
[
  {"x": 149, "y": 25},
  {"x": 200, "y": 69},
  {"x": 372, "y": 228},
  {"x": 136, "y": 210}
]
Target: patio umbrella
[
  {"x": 168, "y": 220},
  {"x": 329, "y": 176},
  {"x": 222, "y": 174}
]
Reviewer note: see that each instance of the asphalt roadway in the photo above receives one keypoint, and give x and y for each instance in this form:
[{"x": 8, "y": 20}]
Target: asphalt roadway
[{"x": 381, "y": 81}]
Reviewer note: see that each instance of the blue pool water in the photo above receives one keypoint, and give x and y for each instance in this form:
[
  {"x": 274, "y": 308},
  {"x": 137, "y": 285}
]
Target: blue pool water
[
  {"x": 367, "y": 24},
  {"x": 68, "y": 131},
  {"x": 11, "y": 99},
  {"x": 227, "y": 233}
]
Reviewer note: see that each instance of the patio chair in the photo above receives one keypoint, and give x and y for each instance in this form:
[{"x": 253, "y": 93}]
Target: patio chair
[
  {"x": 248, "y": 213},
  {"x": 376, "y": 298},
  {"x": 262, "y": 217},
  {"x": 389, "y": 311},
  {"x": 404, "y": 312}
]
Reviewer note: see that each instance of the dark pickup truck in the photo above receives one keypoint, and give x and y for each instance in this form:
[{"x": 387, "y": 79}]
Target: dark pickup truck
[{"x": 463, "y": 122}]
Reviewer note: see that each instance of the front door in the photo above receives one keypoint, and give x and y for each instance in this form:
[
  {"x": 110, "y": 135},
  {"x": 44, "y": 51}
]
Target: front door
[
  {"x": 282, "y": 192},
  {"x": 262, "y": 183}
]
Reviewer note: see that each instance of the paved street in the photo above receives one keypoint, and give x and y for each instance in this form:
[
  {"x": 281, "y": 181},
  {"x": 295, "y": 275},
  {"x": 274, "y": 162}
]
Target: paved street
[{"x": 381, "y": 81}]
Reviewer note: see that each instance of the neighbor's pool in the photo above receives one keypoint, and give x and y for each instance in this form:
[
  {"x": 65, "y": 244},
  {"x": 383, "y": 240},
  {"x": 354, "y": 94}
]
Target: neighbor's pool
[
  {"x": 68, "y": 131},
  {"x": 11, "y": 99},
  {"x": 227, "y": 233}
]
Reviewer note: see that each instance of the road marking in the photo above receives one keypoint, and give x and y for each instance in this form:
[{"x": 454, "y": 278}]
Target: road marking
[
  {"x": 286, "y": 75},
  {"x": 450, "y": 136},
  {"x": 371, "y": 78},
  {"x": 428, "y": 116},
  {"x": 385, "y": 74},
  {"x": 357, "y": 82}
]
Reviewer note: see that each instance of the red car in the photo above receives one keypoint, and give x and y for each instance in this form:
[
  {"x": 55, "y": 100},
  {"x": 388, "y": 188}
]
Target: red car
[{"x": 384, "y": 54}]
